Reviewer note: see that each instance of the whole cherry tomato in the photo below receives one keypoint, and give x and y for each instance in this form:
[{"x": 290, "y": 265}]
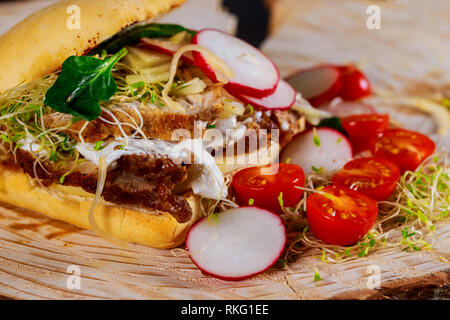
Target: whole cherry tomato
[{"x": 355, "y": 85}]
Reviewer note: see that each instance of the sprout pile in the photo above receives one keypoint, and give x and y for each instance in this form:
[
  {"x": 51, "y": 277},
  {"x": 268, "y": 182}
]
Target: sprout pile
[{"x": 421, "y": 200}]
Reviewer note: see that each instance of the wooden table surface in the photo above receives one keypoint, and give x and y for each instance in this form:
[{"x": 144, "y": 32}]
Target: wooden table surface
[{"x": 406, "y": 56}]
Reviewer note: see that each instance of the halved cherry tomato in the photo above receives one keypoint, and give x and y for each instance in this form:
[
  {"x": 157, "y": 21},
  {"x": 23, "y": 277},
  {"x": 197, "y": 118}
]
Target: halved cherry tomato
[
  {"x": 406, "y": 148},
  {"x": 340, "y": 216},
  {"x": 265, "y": 187},
  {"x": 355, "y": 85},
  {"x": 363, "y": 128},
  {"x": 374, "y": 177}
]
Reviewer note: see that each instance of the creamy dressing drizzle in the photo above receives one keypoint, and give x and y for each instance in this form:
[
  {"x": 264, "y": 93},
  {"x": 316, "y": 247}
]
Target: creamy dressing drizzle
[
  {"x": 232, "y": 129},
  {"x": 209, "y": 184}
]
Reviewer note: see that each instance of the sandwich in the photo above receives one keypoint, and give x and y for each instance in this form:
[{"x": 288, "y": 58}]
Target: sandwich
[{"x": 108, "y": 125}]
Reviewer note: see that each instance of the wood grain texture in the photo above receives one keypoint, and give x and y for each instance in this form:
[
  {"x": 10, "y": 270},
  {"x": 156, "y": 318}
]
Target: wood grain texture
[
  {"x": 407, "y": 56},
  {"x": 35, "y": 251}
]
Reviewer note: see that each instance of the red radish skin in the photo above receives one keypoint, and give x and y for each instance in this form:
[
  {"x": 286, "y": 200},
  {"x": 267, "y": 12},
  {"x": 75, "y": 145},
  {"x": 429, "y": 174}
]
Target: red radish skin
[
  {"x": 318, "y": 85},
  {"x": 233, "y": 247},
  {"x": 167, "y": 47},
  {"x": 255, "y": 74},
  {"x": 331, "y": 155},
  {"x": 282, "y": 99}
]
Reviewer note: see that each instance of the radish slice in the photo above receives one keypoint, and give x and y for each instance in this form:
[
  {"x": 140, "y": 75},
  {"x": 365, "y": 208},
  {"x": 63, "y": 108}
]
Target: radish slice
[
  {"x": 241, "y": 243},
  {"x": 282, "y": 99},
  {"x": 324, "y": 150},
  {"x": 255, "y": 74},
  {"x": 344, "y": 109},
  {"x": 318, "y": 85},
  {"x": 167, "y": 47}
]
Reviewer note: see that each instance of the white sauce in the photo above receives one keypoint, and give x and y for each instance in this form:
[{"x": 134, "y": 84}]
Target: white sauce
[
  {"x": 29, "y": 144},
  {"x": 285, "y": 126},
  {"x": 232, "y": 129},
  {"x": 228, "y": 123},
  {"x": 229, "y": 130},
  {"x": 312, "y": 115},
  {"x": 209, "y": 184}
]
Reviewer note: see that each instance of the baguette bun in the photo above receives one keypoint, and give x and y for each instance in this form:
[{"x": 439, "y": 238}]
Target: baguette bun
[
  {"x": 38, "y": 45},
  {"x": 154, "y": 229}
]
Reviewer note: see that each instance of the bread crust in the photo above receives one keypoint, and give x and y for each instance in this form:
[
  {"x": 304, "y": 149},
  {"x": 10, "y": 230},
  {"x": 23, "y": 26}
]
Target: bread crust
[
  {"x": 154, "y": 229},
  {"x": 38, "y": 45}
]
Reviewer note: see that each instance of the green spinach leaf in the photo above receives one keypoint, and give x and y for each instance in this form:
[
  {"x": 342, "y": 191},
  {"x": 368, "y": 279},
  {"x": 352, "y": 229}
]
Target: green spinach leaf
[
  {"x": 333, "y": 123},
  {"x": 83, "y": 83},
  {"x": 132, "y": 36}
]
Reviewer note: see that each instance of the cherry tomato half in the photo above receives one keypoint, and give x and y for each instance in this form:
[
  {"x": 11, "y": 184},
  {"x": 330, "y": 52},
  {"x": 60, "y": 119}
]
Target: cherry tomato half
[
  {"x": 406, "y": 148},
  {"x": 340, "y": 216},
  {"x": 355, "y": 85},
  {"x": 363, "y": 128},
  {"x": 265, "y": 187},
  {"x": 374, "y": 177}
]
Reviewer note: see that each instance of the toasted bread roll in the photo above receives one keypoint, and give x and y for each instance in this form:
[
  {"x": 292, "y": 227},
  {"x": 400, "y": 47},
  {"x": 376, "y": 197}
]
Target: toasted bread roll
[{"x": 69, "y": 204}]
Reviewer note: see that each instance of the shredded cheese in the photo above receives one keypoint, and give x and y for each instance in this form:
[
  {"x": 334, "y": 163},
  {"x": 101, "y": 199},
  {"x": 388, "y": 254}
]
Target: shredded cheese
[
  {"x": 223, "y": 72},
  {"x": 436, "y": 110}
]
